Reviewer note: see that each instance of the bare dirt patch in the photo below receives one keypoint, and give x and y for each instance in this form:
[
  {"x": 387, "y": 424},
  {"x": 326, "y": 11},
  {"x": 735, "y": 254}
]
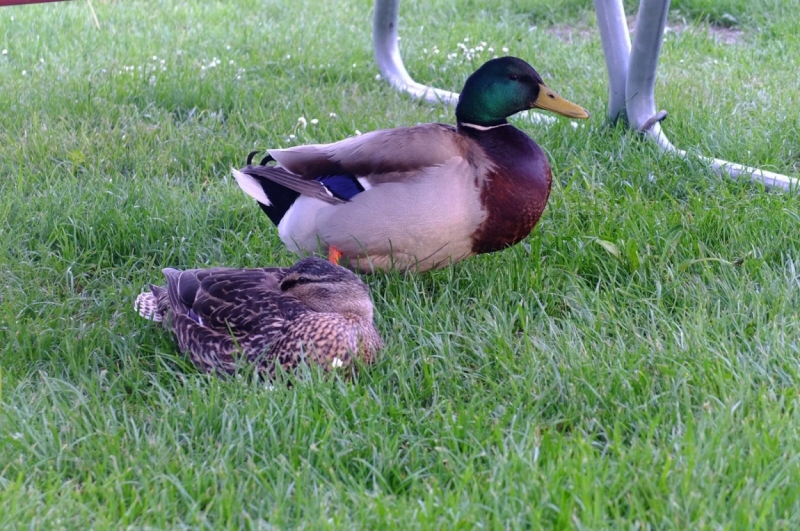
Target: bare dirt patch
[
  {"x": 581, "y": 32},
  {"x": 720, "y": 34}
]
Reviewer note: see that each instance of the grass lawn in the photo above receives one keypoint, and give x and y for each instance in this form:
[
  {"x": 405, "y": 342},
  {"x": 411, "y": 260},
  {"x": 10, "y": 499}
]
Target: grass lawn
[{"x": 634, "y": 363}]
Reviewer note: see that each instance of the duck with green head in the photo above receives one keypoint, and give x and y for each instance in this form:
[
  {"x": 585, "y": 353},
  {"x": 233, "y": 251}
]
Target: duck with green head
[{"x": 418, "y": 197}]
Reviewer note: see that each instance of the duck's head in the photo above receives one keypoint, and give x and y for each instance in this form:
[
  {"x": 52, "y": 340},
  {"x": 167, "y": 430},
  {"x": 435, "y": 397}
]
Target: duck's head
[
  {"x": 506, "y": 86},
  {"x": 325, "y": 287}
]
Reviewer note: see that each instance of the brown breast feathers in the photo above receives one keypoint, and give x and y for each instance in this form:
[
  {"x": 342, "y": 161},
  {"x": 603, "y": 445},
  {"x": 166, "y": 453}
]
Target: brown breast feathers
[{"x": 514, "y": 192}]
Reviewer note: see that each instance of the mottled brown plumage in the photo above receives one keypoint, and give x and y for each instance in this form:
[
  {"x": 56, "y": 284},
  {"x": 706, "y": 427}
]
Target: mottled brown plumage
[
  {"x": 313, "y": 312},
  {"x": 418, "y": 197}
]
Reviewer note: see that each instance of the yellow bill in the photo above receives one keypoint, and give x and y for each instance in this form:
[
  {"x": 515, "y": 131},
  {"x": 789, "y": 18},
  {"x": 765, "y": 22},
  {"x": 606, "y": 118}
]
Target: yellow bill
[{"x": 549, "y": 100}]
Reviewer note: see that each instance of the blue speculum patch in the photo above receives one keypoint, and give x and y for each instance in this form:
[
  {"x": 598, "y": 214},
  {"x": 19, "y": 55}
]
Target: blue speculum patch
[
  {"x": 342, "y": 186},
  {"x": 193, "y": 316}
]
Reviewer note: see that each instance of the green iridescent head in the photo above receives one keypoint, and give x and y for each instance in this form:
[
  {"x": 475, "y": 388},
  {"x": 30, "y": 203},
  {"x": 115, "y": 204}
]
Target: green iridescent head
[{"x": 505, "y": 86}]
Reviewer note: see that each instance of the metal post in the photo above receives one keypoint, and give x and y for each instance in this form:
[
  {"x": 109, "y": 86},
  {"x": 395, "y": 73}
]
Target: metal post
[
  {"x": 640, "y": 87},
  {"x": 631, "y": 75},
  {"x": 617, "y": 51},
  {"x": 639, "y": 73},
  {"x": 390, "y": 63}
]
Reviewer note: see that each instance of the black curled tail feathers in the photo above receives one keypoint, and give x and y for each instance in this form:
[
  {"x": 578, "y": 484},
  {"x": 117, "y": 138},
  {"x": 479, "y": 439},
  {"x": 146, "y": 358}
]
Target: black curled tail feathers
[{"x": 267, "y": 158}]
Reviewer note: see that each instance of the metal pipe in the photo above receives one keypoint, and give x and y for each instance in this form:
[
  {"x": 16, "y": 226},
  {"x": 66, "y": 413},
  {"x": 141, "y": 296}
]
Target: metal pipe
[
  {"x": 640, "y": 92},
  {"x": 617, "y": 51},
  {"x": 640, "y": 88},
  {"x": 390, "y": 63},
  {"x": 631, "y": 74}
]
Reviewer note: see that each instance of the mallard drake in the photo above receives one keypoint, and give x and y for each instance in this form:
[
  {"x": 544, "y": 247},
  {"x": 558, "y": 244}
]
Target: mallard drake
[
  {"x": 418, "y": 197},
  {"x": 314, "y": 312}
]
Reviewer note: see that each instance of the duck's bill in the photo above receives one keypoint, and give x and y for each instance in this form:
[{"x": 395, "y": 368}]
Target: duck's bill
[{"x": 549, "y": 100}]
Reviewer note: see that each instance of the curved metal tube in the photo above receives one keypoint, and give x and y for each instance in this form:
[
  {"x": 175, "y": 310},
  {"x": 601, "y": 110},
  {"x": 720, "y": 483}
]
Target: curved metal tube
[
  {"x": 641, "y": 83},
  {"x": 617, "y": 51},
  {"x": 390, "y": 63},
  {"x": 632, "y": 76}
]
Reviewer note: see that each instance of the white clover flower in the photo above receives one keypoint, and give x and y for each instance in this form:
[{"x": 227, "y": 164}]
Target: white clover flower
[
  {"x": 302, "y": 121},
  {"x": 24, "y": 72},
  {"x": 314, "y": 121},
  {"x": 5, "y": 52},
  {"x": 377, "y": 77},
  {"x": 336, "y": 363},
  {"x": 358, "y": 133},
  {"x": 292, "y": 137},
  {"x": 331, "y": 115},
  {"x": 505, "y": 49}
]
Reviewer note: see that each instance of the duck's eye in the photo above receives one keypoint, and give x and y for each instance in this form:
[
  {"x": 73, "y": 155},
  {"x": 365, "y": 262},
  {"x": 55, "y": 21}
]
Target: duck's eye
[
  {"x": 513, "y": 77},
  {"x": 292, "y": 282}
]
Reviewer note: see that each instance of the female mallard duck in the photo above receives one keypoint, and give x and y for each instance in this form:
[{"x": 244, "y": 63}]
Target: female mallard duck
[
  {"x": 314, "y": 311},
  {"x": 418, "y": 197}
]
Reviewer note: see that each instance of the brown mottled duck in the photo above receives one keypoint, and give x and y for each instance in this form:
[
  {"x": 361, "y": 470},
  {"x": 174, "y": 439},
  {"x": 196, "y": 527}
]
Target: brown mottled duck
[
  {"x": 314, "y": 312},
  {"x": 418, "y": 197}
]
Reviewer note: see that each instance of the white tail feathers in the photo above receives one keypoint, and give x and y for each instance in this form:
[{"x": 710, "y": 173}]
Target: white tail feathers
[
  {"x": 147, "y": 306},
  {"x": 251, "y": 187}
]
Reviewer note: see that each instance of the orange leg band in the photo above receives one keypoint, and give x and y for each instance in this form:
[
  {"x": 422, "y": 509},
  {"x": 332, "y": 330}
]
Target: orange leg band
[{"x": 334, "y": 255}]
